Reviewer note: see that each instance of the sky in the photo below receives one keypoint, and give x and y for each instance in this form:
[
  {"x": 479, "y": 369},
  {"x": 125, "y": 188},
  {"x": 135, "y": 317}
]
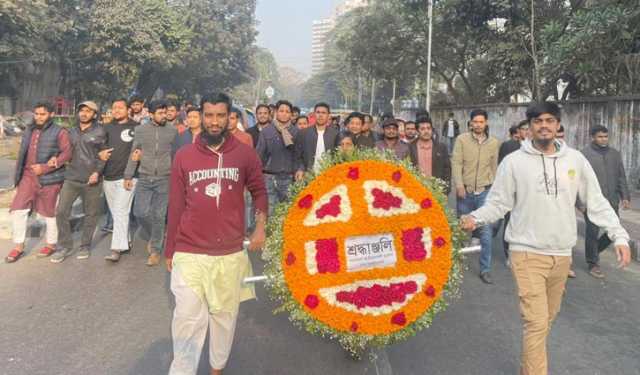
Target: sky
[{"x": 284, "y": 28}]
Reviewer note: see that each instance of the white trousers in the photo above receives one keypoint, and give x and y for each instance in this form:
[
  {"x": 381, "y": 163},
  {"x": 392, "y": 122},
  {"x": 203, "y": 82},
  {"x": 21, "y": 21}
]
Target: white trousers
[
  {"x": 119, "y": 200},
  {"x": 20, "y": 218},
  {"x": 189, "y": 329}
]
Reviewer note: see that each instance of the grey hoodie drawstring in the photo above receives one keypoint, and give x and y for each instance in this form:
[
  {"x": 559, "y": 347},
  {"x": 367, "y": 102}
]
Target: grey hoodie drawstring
[{"x": 555, "y": 175}]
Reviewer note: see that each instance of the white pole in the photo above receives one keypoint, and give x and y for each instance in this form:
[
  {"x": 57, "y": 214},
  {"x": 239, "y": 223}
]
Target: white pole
[
  {"x": 430, "y": 15},
  {"x": 262, "y": 278}
]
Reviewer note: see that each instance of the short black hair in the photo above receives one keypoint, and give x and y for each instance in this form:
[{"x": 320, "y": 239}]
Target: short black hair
[
  {"x": 423, "y": 120},
  {"x": 423, "y": 113},
  {"x": 262, "y": 106},
  {"x": 157, "y": 104},
  {"x": 598, "y": 129},
  {"x": 237, "y": 111},
  {"x": 216, "y": 98},
  {"x": 280, "y": 103},
  {"x": 537, "y": 109},
  {"x": 173, "y": 103},
  {"x": 450, "y": 114},
  {"x": 46, "y": 105},
  {"x": 561, "y": 129},
  {"x": 369, "y": 117},
  {"x": 345, "y": 134},
  {"x": 121, "y": 99},
  {"x": 136, "y": 99},
  {"x": 302, "y": 117},
  {"x": 192, "y": 109},
  {"x": 522, "y": 123},
  {"x": 353, "y": 115},
  {"x": 410, "y": 122},
  {"x": 323, "y": 105},
  {"x": 479, "y": 112},
  {"x": 513, "y": 130},
  {"x": 296, "y": 109}
]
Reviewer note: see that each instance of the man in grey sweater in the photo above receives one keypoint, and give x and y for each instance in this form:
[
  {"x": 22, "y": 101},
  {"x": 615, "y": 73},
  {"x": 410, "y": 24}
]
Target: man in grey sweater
[
  {"x": 607, "y": 164},
  {"x": 151, "y": 161},
  {"x": 540, "y": 184}
]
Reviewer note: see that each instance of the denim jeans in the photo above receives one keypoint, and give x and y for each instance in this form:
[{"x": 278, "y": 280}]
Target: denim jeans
[
  {"x": 277, "y": 188},
  {"x": 150, "y": 209},
  {"x": 469, "y": 203}
]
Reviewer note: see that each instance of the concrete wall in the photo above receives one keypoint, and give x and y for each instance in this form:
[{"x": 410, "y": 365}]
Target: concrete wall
[{"x": 621, "y": 115}]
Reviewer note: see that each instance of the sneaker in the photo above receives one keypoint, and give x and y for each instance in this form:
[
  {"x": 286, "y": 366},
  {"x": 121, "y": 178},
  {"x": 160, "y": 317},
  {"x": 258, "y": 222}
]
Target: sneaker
[
  {"x": 153, "y": 260},
  {"x": 572, "y": 274},
  {"x": 107, "y": 229},
  {"x": 486, "y": 278},
  {"x": 596, "y": 272},
  {"x": 45, "y": 252},
  {"x": 60, "y": 255},
  {"x": 83, "y": 254},
  {"x": 113, "y": 257}
]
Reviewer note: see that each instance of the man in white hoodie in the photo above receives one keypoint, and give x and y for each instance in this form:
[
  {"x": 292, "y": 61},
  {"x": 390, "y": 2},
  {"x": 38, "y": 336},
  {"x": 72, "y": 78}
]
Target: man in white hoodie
[{"x": 539, "y": 184}]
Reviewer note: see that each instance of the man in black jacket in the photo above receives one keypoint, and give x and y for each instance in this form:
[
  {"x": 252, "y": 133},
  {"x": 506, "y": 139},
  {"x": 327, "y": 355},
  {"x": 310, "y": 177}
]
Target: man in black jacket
[
  {"x": 514, "y": 145},
  {"x": 450, "y": 131},
  {"x": 82, "y": 179},
  {"x": 312, "y": 142},
  {"x": 429, "y": 156},
  {"x": 607, "y": 164}
]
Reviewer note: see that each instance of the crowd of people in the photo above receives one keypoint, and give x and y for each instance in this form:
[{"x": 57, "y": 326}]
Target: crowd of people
[{"x": 195, "y": 181}]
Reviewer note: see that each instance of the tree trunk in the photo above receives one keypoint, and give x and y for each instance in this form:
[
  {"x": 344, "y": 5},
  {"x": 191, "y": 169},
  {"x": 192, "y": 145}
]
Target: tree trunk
[
  {"x": 373, "y": 95},
  {"x": 537, "y": 93}
]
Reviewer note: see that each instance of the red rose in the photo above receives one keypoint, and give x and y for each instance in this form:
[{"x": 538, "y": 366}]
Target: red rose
[
  {"x": 430, "y": 291},
  {"x": 439, "y": 242},
  {"x": 291, "y": 259},
  {"x": 396, "y": 176},
  {"x": 306, "y": 201},
  {"x": 354, "y": 173},
  {"x": 312, "y": 301},
  {"x": 426, "y": 203},
  {"x": 354, "y": 327},
  {"x": 399, "y": 319}
]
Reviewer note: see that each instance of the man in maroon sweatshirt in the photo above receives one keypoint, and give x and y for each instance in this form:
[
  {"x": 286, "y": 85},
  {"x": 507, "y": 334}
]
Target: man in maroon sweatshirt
[{"x": 205, "y": 234}]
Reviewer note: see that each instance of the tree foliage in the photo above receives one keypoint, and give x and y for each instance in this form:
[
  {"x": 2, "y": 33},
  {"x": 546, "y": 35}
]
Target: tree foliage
[
  {"x": 491, "y": 50},
  {"x": 106, "y": 48}
]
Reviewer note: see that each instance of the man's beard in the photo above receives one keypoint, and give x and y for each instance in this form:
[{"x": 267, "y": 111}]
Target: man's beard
[
  {"x": 214, "y": 139},
  {"x": 543, "y": 142}
]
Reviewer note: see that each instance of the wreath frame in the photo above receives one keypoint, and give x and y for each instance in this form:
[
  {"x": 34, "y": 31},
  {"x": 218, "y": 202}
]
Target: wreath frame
[{"x": 273, "y": 253}]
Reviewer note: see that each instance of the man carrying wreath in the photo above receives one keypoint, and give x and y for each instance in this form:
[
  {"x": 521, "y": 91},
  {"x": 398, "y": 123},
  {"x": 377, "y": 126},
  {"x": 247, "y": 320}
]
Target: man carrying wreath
[
  {"x": 205, "y": 234},
  {"x": 540, "y": 184}
]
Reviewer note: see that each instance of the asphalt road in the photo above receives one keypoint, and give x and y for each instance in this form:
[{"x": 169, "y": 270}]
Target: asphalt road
[{"x": 89, "y": 317}]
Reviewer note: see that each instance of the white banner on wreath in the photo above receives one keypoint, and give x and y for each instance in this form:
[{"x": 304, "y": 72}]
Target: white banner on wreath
[{"x": 372, "y": 251}]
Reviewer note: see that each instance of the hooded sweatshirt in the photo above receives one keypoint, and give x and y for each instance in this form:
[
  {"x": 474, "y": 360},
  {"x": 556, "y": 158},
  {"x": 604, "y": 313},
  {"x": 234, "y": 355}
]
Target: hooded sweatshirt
[
  {"x": 541, "y": 191},
  {"x": 206, "y": 197}
]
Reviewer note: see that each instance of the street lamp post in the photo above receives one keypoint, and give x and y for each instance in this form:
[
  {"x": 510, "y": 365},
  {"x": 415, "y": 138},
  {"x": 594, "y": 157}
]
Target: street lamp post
[{"x": 430, "y": 15}]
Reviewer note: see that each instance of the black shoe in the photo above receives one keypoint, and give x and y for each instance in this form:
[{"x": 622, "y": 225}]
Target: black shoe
[{"x": 486, "y": 278}]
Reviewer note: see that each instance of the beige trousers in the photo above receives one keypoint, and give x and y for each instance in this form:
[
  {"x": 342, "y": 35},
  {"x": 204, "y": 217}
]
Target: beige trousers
[
  {"x": 189, "y": 329},
  {"x": 541, "y": 281}
]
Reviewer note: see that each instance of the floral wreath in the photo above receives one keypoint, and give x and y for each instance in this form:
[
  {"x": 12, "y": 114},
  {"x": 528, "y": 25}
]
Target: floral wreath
[{"x": 365, "y": 251}]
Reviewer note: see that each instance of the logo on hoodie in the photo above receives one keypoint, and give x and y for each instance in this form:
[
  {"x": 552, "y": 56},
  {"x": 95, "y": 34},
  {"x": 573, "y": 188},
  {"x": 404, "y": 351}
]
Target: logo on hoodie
[
  {"x": 196, "y": 176},
  {"x": 213, "y": 190}
]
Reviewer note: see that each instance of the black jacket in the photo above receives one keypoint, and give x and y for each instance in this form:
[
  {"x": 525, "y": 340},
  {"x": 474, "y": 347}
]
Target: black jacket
[
  {"x": 84, "y": 158},
  {"x": 506, "y": 148},
  {"x": 47, "y": 147},
  {"x": 440, "y": 161},
  {"x": 607, "y": 164},
  {"x": 456, "y": 129},
  {"x": 254, "y": 132},
  {"x": 306, "y": 142}
]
